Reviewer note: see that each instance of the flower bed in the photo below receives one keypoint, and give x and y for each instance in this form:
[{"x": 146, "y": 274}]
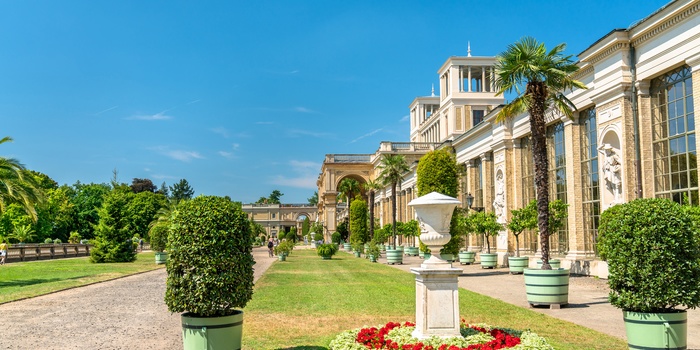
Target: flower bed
[{"x": 474, "y": 337}]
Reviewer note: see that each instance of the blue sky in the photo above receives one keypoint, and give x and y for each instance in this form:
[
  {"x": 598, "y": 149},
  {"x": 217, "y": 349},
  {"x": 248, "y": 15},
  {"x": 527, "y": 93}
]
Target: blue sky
[{"x": 244, "y": 97}]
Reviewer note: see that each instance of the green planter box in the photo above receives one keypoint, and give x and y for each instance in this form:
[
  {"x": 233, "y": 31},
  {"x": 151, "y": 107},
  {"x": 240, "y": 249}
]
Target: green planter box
[
  {"x": 518, "y": 264},
  {"x": 467, "y": 258},
  {"x": 394, "y": 256},
  {"x": 547, "y": 287},
  {"x": 346, "y": 246},
  {"x": 649, "y": 331},
  {"x": 447, "y": 257},
  {"x": 161, "y": 257},
  {"x": 282, "y": 257},
  {"x": 411, "y": 251},
  {"x": 488, "y": 261},
  {"x": 223, "y": 332},
  {"x": 357, "y": 254},
  {"x": 372, "y": 258}
]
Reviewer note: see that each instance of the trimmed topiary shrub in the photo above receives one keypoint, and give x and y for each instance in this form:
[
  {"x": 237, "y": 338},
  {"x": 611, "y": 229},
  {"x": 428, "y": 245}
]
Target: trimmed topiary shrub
[
  {"x": 210, "y": 269},
  {"x": 359, "y": 230},
  {"x": 318, "y": 237},
  {"x": 653, "y": 256},
  {"x": 326, "y": 250},
  {"x": 335, "y": 237},
  {"x": 159, "y": 236}
]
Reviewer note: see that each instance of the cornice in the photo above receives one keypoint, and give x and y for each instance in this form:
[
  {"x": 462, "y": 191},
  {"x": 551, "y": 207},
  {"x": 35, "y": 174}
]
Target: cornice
[
  {"x": 585, "y": 71},
  {"x": 607, "y": 52},
  {"x": 665, "y": 25}
]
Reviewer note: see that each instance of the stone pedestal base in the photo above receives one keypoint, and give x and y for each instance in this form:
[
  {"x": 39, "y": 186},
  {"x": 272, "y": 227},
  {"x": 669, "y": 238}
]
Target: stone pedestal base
[{"x": 437, "y": 302}]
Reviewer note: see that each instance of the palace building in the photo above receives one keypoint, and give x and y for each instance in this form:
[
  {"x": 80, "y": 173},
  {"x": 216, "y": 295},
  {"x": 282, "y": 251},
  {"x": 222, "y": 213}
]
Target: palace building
[{"x": 633, "y": 136}]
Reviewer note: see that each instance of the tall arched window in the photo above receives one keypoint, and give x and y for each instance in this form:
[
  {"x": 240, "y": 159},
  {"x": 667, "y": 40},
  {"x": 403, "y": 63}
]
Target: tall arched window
[
  {"x": 559, "y": 241},
  {"x": 673, "y": 137},
  {"x": 589, "y": 179}
]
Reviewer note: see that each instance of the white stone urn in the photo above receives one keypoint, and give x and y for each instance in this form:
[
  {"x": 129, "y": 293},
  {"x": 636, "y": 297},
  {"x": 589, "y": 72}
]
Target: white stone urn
[{"x": 434, "y": 212}]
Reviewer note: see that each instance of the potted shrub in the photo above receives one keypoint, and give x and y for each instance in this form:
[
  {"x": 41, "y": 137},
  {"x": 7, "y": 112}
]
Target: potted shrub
[
  {"x": 159, "y": 238},
  {"x": 358, "y": 248},
  {"x": 466, "y": 257},
  {"x": 549, "y": 286},
  {"x": 283, "y": 249},
  {"x": 326, "y": 251},
  {"x": 210, "y": 271},
  {"x": 410, "y": 230},
  {"x": 485, "y": 224},
  {"x": 373, "y": 252},
  {"x": 521, "y": 220},
  {"x": 652, "y": 249}
]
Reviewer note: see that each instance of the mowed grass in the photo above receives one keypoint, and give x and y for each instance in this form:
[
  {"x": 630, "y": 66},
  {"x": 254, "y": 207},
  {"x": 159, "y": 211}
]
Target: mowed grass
[
  {"x": 29, "y": 279},
  {"x": 305, "y": 302}
]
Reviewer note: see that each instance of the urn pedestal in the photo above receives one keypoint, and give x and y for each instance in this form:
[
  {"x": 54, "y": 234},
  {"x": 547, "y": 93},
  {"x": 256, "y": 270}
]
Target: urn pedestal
[{"x": 437, "y": 294}]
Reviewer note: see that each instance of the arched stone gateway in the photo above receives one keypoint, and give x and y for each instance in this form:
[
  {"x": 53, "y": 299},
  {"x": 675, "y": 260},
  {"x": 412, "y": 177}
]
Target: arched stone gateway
[{"x": 277, "y": 217}]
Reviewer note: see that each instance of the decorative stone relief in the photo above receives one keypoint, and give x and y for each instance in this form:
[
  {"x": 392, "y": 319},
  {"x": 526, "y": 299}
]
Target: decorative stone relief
[
  {"x": 499, "y": 158},
  {"x": 610, "y": 113},
  {"x": 611, "y": 168},
  {"x": 499, "y": 202}
]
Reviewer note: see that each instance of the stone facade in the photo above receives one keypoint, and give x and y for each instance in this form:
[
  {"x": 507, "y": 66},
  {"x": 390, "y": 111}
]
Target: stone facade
[{"x": 633, "y": 135}]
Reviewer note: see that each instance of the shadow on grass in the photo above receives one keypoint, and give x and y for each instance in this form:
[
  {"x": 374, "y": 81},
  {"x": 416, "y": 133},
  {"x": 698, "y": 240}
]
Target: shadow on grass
[{"x": 30, "y": 282}]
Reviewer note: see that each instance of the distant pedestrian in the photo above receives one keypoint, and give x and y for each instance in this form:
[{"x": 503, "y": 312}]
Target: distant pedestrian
[
  {"x": 141, "y": 243},
  {"x": 3, "y": 252},
  {"x": 270, "y": 245}
]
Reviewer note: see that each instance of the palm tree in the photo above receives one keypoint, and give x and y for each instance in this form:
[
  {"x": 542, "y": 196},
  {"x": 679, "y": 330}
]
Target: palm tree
[
  {"x": 371, "y": 186},
  {"x": 347, "y": 188},
  {"x": 392, "y": 168},
  {"x": 23, "y": 233},
  {"x": 545, "y": 76},
  {"x": 17, "y": 185}
]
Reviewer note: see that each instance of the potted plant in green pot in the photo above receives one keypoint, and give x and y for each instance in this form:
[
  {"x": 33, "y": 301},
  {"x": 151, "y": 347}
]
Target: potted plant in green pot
[
  {"x": 357, "y": 249},
  {"x": 485, "y": 224},
  {"x": 373, "y": 252},
  {"x": 652, "y": 249},
  {"x": 521, "y": 220},
  {"x": 159, "y": 238},
  {"x": 410, "y": 231},
  {"x": 549, "y": 286},
  {"x": 326, "y": 250},
  {"x": 283, "y": 249},
  {"x": 466, "y": 257},
  {"x": 210, "y": 271}
]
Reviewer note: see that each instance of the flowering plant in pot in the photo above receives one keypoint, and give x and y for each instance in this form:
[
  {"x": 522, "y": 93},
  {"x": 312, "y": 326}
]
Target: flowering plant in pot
[
  {"x": 652, "y": 249},
  {"x": 210, "y": 271},
  {"x": 521, "y": 220}
]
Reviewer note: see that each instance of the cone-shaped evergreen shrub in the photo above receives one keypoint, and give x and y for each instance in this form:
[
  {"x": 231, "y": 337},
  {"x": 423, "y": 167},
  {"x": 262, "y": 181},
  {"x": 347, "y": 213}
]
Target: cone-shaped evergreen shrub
[
  {"x": 210, "y": 269},
  {"x": 112, "y": 234}
]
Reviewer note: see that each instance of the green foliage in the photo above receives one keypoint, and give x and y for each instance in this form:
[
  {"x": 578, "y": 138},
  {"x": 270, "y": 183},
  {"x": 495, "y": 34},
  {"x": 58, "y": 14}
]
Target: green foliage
[
  {"x": 358, "y": 221},
  {"x": 143, "y": 185},
  {"x": 373, "y": 250},
  {"x": 653, "y": 255},
  {"x": 313, "y": 200},
  {"x": 57, "y": 241},
  {"x": 48, "y": 241},
  {"x": 13, "y": 216},
  {"x": 348, "y": 188},
  {"x": 141, "y": 210},
  {"x": 485, "y": 224},
  {"x": 284, "y": 247},
  {"x": 342, "y": 228},
  {"x": 326, "y": 250},
  {"x": 557, "y": 215},
  {"x": 438, "y": 172},
  {"x": 87, "y": 200},
  {"x": 305, "y": 226},
  {"x": 358, "y": 247},
  {"x": 113, "y": 237},
  {"x": 521, "y": 220},
  {"x": 381, "y": 235},
  {"x": 74, "y": 237},
  {"x": 210, "y": 268},
  {"x": 23, "y": 233},
  {"x": 257, "y": 230},
  {"x": 159, "y": 236},
  {"x": 292, "y": 234},
  {"x": 181, "y": 191},
  {"x": 335, "y": 238},
  {"x": 318, "y": 236}
]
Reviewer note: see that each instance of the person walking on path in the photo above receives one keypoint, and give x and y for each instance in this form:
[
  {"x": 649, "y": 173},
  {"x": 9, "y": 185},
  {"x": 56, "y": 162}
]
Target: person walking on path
[
  {"x": 269, "y": 247},
  {"x": 3, "y": 252}
]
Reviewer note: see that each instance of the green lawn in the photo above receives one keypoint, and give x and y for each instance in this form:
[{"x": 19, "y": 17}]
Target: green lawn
[
  {"x": 304, "y": 302},
  {"x": 29, "y": 279}
]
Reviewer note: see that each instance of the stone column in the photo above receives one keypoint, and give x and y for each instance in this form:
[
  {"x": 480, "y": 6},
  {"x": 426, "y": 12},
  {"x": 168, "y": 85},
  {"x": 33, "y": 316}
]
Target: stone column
[
  {"x": 645, "y": 138},
  {"x": 574, "y": 189}
]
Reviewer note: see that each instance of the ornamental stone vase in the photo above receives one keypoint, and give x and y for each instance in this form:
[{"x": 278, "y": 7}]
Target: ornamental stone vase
[{"x": 434, "y": 212}]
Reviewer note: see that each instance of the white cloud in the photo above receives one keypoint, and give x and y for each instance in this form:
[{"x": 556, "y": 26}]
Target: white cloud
[
  {"x": 221, "y": 131},
  {"x": 404, "y": 119},
  {"x": 299, "y": 132},
  {"x": 106, "y": 110},
  {"x": 148, "y": 170},
  {"x": 228, "y": 155},
  {"x": 181, "y": 155},
  {"x": 157, "y": 116},
  {"x": 367, "y": 135},
  {"x": 303, "y": 110}
]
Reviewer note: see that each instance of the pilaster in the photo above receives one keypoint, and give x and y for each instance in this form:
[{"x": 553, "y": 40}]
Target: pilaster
[
  {"x": 644, "y": 114},
  {"x": 574, "y": 190}
]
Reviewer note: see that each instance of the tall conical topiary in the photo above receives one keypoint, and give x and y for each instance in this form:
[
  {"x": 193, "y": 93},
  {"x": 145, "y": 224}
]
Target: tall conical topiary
[{"x": 112, "y": 234}]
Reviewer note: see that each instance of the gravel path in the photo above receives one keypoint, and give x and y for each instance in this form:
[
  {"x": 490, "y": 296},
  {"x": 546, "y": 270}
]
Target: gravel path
[{"x": 127, "y": 313}]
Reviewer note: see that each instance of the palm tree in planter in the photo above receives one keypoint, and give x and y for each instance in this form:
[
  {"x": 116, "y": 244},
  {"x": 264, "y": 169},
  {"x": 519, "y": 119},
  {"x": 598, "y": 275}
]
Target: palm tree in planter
[
  {"x": 652, "y": 249},
  {"x": 521, "y": 220},
  {"x": 210, "y": 271},
  {"x": 392, "y": 167},
  {"x": 486, "y": 224},
  {"x": 539, "y": 78}
]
